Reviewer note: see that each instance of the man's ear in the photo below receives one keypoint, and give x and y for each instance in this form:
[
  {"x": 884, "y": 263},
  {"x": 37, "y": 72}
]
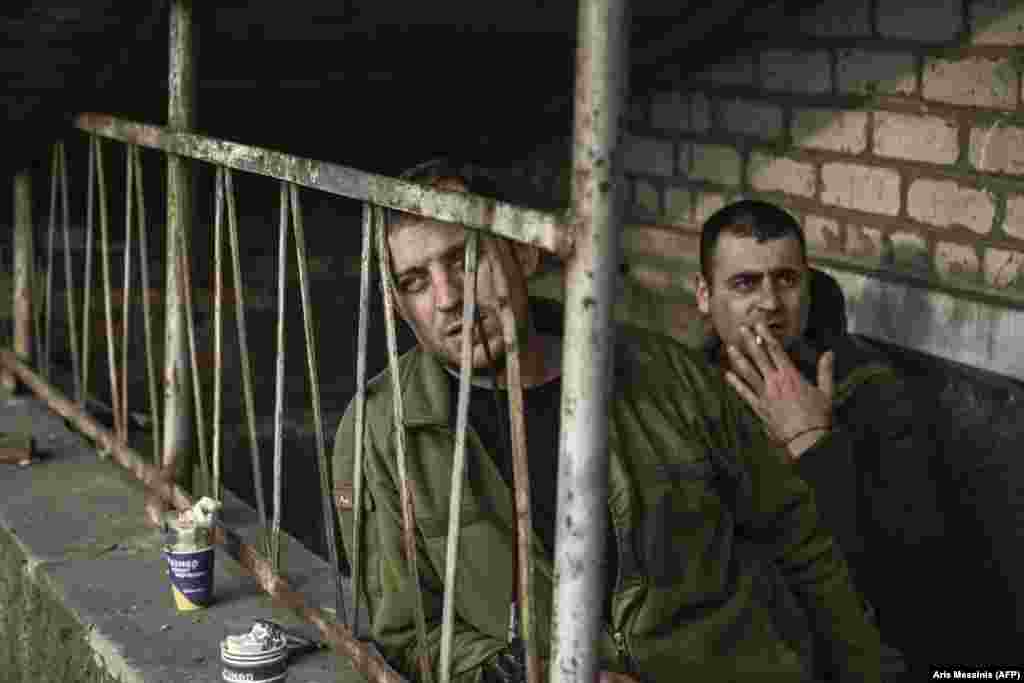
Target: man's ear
[
  {"x": 528, "y": 257},
  {"x": 703, "y": 294}
]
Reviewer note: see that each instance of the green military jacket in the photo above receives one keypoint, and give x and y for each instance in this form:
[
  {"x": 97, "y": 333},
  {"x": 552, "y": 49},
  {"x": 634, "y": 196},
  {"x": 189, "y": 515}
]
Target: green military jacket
[
  {"x": 875, "y": 476},
  {"x": 716, "y": 535}
]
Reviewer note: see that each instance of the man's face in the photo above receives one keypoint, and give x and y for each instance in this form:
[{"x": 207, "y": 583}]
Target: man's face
[
  {"x": 428, "y": 265},
  {"x": 754, "y": 282}
]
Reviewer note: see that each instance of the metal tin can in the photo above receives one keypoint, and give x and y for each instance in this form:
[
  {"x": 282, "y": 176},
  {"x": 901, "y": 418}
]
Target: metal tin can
[{"x": 259, "y": 656}]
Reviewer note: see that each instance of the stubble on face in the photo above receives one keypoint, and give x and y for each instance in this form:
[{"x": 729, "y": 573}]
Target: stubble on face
[
  {"x": 755, "y": 282},
  {"x": 428, "y": 266}
]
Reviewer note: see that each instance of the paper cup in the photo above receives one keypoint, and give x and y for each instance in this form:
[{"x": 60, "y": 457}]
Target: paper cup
[{"x": 191, "y": 576}]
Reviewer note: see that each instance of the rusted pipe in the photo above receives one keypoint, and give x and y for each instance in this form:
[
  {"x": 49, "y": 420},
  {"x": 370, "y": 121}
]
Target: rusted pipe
[
  {"x": 323, "y": 464},
  {"x": 405, "y": 492},
  {"x": 451, "y": 562},
  {"x": 542, "y": 229},
  {"x": 360, "y": 401},
  {"x": 69, "y": 278},
  {"x": 23, "y": 269},
  {"x": 177, "y": 438},
  {"x": 365, "y": 661},
  {"x": 501, "y": 253},
  {"x": 601, "y": 67}
]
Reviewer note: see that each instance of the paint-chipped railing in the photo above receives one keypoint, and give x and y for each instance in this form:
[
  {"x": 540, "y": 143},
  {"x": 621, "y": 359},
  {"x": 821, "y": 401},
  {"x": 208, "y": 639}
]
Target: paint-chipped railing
[
  {"x": 542, "y": 229},
  {"x": 593, "y": 220}
]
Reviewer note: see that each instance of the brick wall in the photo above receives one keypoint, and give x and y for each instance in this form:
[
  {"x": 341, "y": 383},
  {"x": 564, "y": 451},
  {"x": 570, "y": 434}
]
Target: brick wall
[{"x": 894, "y": 131}]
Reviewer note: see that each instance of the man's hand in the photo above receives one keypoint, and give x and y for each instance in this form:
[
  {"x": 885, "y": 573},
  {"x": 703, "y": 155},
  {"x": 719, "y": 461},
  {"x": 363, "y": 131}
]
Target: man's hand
[
  {"x": 796, "y": 413},
  {"x": 609, "y": 677}
]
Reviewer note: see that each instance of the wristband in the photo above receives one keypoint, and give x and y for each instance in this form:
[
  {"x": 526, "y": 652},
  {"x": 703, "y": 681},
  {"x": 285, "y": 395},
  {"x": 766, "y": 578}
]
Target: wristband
[{"x": 806, "y": 431}]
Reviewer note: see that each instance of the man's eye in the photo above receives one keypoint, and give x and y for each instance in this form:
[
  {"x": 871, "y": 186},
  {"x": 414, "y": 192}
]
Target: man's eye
[
  {"x": 743, "y": 284},
  {"x": 411, "y": 285},
  {"x": 789, "y": 279}
]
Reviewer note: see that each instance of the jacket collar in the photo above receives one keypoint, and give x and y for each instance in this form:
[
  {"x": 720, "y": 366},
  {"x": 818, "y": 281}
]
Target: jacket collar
[
  {"x": 425, "y": 389},
  {"x": 425, "y": 395}
]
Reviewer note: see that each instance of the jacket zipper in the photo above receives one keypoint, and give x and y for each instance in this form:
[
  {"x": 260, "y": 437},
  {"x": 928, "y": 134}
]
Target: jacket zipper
[{"x": 618, "y": 636}]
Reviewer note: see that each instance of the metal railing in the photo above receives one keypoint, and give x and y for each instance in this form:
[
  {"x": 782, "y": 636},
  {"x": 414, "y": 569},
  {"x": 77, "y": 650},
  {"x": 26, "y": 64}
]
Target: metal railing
[{"x": 585, "y": 237}]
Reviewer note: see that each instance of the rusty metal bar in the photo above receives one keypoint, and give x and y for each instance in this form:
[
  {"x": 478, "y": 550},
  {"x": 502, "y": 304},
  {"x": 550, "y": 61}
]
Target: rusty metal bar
[
  {"x": 543, "y": 229},
  {"x": 69, "y": 278},
  {"x": 108, "y": 304},
  {"x": 178, "y": 443},
  {"x": 24, "y": 262},
  {"x": 218, "y": 324},
  {"x": 185, "y": 277},
  {"x": 282, "y": 263},
  {"x": 364, "y": 659},
  {"x": 243, "y": 347},
  {"x": 87, "y": 279},
  {"x": 601, "y": 70},
  {"x": 405, "y": 493},
  {"x": 147, "y": 316},
  {"x": 459, "y": 460},
  {"x": 314, "y": 387},
  {"x": 51, "y": 228},
  {"x": 500, "y": 254},
  {"x": 357, "y": 475},
  {"x": 129, "y": 209}
]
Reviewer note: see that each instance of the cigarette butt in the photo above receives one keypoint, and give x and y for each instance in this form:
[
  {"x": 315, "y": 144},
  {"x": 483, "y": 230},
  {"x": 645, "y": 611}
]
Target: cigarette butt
[{"x": 759, "y": 340}]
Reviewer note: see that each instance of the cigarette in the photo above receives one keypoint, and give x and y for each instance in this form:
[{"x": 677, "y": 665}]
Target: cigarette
[{"x": 758, "y": 339}]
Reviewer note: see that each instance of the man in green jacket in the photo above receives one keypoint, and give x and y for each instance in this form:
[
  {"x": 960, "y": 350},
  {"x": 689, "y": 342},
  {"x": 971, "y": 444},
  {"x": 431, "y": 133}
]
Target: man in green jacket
[
  {"x": 714, "y": 543},
  {"x": 849, "y": 422}
]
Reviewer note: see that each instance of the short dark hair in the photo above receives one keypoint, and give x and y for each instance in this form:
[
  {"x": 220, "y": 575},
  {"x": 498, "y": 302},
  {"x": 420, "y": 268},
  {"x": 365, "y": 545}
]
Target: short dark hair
[
  {"x": 747, "y": 218},
  {"x": 476, "y": 178}
]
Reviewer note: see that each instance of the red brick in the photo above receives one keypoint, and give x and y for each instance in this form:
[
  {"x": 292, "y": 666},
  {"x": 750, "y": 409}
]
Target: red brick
[
  {"x": 678, "y": 206},
  {"x": 838, "y": 19},
  {"x": 823, "y": 235},
  {"x": 716, "y": 163},
  {"x": 758, "y": 119},
  {"x": 648, "y": 155},
  {"x": 974, "y": 81},
  {"x": 671, "y": 111},
  {"x": 997, "y": 22},
  {"x": 1003, "y": 269},
  {"x": 954, "y": 261},
  {"x": 767, "y": 173},
  {"x": 864, "y": 72},
  {"x": 865, "y": 188},
  {"x": 738, "y": 70},
  {"x": 833, "y": 129},
  {"x": 922, "y": 20},
  {"x": 660, "y": 242},
  {"x": 796, "y": 71},
  {"x": 944, "y": 203},
  {"x": 918, "y": 138},
  {"x": 1014, "y": 223},
  {"x": 998, "y": 149},
  {"x": 865, "y": 244},
  {"x": 646, "y": 198},
  {"x": 700, "y": 113},
  {"x": 706, "y": 204}
]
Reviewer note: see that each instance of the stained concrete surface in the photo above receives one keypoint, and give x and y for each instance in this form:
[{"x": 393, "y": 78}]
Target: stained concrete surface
[{"x": 84, "y": 585}]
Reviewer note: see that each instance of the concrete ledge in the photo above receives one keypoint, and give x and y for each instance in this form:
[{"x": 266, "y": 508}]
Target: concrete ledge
[
  {"x": 982, "y": 335},
  {"x": 83, "y": 583}
]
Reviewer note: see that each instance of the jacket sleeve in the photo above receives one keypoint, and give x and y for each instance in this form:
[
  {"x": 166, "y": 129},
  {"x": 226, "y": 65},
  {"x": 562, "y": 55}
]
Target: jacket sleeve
[
  {"x": 777, "y": 509},
  {"x": 875, "y": 478},
  {"x": 887, "y": 450},
  {"x": 386, "y": 585}
]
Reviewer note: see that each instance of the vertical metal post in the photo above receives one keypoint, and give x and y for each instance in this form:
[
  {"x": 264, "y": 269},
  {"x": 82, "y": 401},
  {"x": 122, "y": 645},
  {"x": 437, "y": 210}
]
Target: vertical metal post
[
  {"x": 24, "y": 261},
  {"x": 601, "y": 64},
  {"x": 177, "y": 436}
]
